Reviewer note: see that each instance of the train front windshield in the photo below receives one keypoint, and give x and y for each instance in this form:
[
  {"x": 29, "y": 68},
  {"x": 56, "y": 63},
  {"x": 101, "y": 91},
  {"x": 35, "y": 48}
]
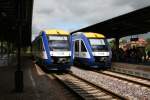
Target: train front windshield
[
  {"x": 98, "y": 45},
  {"x": 58, "y": 43}
]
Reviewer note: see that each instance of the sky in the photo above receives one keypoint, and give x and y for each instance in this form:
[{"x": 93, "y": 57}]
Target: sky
[{"x": 71, "y": 15}]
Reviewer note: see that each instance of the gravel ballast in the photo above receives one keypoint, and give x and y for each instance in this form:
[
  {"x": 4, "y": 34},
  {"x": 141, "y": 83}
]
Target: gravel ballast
[{"x": 136, "y": 92}]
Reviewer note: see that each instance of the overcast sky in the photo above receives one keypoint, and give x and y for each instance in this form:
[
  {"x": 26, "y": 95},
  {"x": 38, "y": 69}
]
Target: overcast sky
[{"x": 71, "y": 15}]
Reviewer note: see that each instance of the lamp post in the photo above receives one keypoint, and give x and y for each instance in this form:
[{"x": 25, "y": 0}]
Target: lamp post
[{"x": 19, "y": 73}]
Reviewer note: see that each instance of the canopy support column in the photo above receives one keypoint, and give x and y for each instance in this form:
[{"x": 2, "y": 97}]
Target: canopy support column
[
  {"x": 19, "y": 73},
  {"x": 117, "y": 48}
]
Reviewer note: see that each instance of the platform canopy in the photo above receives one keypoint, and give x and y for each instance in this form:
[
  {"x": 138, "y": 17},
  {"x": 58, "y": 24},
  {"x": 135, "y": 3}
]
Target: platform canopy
[
  {"x": 13, "y": 14},
  {"x": 136, "y": 22}
]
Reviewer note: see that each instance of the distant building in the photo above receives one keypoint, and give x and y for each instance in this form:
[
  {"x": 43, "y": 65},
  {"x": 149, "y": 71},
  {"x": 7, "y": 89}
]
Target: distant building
[{"x": 141, "y": 42}]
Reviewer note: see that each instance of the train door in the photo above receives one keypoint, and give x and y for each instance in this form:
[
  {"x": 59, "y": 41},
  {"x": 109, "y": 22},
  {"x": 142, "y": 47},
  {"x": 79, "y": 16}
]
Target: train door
[
  {"x": 83, "y": 50},
  {"x": 76, "y": 52},
  {"x": 76, "y": 49}
]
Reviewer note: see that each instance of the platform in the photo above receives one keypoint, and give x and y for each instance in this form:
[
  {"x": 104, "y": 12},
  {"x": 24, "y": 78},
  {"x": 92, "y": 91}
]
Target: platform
[
  {"x": 37, "y": 85},
  {"x": 132, "y": 69},
  {"x": 7, "y": 84}
]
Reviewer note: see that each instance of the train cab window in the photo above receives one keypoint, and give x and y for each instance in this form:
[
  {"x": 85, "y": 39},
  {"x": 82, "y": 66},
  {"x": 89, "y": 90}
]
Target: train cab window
[
  {"x": 83, "y": 48},
  {"x": 77, "y": 45},
  {"x": 58, "y": 43}
]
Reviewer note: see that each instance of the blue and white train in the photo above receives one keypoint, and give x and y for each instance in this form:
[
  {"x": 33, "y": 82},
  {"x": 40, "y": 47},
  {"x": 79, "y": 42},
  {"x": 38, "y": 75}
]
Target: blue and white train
[
  {"x": 51, "y": 49},
  {"x": 90, "y": 50}
]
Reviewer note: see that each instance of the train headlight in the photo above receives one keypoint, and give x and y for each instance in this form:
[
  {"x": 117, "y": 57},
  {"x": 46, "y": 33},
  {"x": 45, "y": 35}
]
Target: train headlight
[{"x": 103, "y": 59}]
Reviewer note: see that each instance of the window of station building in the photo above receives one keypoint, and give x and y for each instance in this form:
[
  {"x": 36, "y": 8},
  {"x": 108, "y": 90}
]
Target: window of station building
[
  {"x": 83, "y": 48},
  {"x": 77, "y": 45}
]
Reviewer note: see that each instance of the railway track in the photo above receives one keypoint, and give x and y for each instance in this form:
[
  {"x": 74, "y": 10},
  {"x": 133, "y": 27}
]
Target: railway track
[
  {"x": 85, "y": 89},
  {"x": 128, "y": 78}
]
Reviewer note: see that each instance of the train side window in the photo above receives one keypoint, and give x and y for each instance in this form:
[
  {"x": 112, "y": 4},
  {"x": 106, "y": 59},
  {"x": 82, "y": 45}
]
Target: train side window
[
  {"x": 38, "y": 45},
  {"x": 77, "y": 45},
  {"x": 41, "y": 45},
  {"x": 83, "y": 48}
]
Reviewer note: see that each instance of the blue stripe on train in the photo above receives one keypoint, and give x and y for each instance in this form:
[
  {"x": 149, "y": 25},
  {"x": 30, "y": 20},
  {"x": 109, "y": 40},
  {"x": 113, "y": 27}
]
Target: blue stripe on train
[{"x": 47, "y": 49}]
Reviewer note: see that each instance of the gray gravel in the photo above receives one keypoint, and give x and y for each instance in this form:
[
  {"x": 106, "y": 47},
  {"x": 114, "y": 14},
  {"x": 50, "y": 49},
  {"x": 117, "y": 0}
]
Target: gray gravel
[{"x": 134, "y": 92}]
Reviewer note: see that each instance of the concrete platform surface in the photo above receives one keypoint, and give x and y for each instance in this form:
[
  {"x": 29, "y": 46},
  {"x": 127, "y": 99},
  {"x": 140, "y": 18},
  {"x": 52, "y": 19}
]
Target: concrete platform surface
[
  {"x": 36, "y": 86},
  {"x": 132, "y": 69}
]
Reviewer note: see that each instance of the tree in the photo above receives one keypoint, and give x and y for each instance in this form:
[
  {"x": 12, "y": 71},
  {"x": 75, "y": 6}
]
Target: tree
[
  {"x": 112, "y": 43},
  {"x": 148, "y": 40},
  {"x": 123, "y": 41},
  {"x": 148, "y": 44}
]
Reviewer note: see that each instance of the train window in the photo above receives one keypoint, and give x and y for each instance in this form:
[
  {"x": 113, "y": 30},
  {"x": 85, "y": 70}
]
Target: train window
[
  {"x": 41, "y": 44},
  {"x": 77, "y": 45},
  {"x": 38, "y": 45},
  {"x": 97, "y": 41},
  {"x": 83, "y": 49}
]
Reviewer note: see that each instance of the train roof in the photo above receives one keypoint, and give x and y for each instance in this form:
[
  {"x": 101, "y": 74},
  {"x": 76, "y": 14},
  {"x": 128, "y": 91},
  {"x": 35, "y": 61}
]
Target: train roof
[
  {"x": 56, "y": 32},
  {"x": 93, "y": 35}
]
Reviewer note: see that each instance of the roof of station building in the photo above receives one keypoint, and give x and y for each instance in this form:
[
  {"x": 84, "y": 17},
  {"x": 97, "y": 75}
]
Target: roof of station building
[
  {"x": 136, "y": 22},
  {"x": 16, "y": 21}
]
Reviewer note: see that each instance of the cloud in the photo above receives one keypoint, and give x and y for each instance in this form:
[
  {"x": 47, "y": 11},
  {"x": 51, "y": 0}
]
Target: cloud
[
  {"x": 75, "y": 14},
  {"x": 136, "y": 4}
]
